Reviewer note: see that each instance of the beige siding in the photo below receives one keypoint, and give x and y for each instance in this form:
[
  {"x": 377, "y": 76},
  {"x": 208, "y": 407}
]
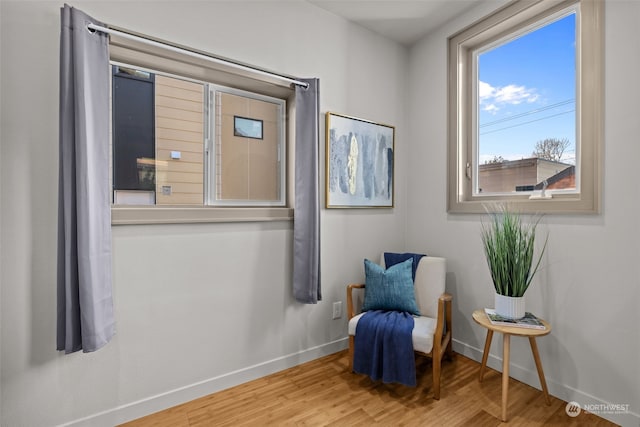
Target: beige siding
[
  {"x": 171, "y": 178},
  {"x": 166, "y": 144},
  {"x": 187, "y": 156},
  {"x": 179, "y": 135},
  {"x": 179, "y": 127},
  {"x": 177, "y": 103},
  {"x": 191, "y": 116},
  {"x": 504, "y": 177},
  {"x": 247, "y": 168}
]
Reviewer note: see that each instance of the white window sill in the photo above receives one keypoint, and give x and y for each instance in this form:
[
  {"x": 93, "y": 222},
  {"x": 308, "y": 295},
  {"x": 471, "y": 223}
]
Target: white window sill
[
  {"x": 573, "y": 203},
  {"x": 128, "y": 215}
]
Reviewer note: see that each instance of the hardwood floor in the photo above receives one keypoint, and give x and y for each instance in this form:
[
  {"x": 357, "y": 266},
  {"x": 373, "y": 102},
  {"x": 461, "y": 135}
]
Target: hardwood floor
[{"x": 323, "y": 392}]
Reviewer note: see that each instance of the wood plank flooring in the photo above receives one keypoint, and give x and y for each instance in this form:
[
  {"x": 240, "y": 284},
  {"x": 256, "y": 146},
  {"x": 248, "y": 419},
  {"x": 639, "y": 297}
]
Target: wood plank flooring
[{"x": 323, "y": 392}]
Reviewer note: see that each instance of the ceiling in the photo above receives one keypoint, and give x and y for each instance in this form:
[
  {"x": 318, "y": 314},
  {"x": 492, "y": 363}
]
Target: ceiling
[{"x": 404, "y": 21}]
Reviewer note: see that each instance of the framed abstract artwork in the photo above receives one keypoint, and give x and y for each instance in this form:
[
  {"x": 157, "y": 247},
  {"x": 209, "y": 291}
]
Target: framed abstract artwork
[{"x": 359, "y": 161}]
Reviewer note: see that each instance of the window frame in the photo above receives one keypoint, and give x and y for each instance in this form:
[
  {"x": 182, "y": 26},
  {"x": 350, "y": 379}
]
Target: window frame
[
  {"x": 146, "y": 57},
  {"x": 511, "y": 19}
]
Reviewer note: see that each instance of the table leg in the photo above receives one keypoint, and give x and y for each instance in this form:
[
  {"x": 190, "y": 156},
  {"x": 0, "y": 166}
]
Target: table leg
[
  {"x": 536, "y": 357},
  {"x": 485, "y": 355},
  {"x": 505, "y": 374}
]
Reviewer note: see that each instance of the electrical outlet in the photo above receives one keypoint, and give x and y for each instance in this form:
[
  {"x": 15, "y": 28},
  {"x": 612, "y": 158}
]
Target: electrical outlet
[{"x": 337, "y": 309}]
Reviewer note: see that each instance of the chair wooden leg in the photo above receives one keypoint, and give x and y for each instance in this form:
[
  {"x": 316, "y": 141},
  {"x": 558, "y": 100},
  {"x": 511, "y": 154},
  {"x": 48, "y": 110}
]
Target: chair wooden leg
[
  {"x": 351, "y": 345},
  {"x": 449, "y": 351},
  {"x": 448, "y": 322},
  {"x": 437, "y": 362}
]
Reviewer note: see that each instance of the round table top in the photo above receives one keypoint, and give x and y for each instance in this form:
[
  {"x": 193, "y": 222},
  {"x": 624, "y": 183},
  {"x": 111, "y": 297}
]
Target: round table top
[{"x": 481, "y": 318}]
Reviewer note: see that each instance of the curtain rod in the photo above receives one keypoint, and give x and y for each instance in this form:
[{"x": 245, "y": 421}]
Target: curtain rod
[{"x": 191, "y": 53}]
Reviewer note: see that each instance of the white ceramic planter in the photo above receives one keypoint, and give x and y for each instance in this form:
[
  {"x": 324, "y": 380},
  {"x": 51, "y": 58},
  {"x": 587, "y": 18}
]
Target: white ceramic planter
[{"x": 510, "y": 307}]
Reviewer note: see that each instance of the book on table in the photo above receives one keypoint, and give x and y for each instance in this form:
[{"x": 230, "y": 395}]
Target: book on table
[{"x": 528, "y": 321}]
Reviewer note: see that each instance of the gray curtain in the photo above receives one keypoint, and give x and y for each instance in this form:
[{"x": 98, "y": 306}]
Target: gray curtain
[
  {"x": 85, "y": 305},
  {"x": 306, "y": 226}
]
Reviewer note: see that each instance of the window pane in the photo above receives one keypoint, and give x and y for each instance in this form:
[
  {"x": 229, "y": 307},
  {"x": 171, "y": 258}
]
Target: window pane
[
  {"x": 179, "y": 110},
  {"x": 133, "y": 131},
  {"x": 171, "y": 134},
  {"x": 526, "y": 111},
  {"x": 158, "y": 139},
  {"x": 248, "y": 148}
]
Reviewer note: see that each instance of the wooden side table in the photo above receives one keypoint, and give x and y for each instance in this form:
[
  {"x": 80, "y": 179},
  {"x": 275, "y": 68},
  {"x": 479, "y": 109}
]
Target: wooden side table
[{"x": 481, "y": 318}]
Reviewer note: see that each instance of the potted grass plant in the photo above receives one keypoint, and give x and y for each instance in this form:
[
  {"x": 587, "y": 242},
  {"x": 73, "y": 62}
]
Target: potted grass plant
[{"x": 509, "y": 246}]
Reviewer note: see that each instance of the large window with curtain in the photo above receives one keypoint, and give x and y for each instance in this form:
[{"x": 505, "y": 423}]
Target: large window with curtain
[
  {"x": 193, "y": 141},
  {"x": 160, "y": 108}
]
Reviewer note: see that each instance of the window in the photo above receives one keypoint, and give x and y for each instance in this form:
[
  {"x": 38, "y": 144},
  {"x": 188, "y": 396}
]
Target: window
[
  {"x": 525, "y": 108},
  {"x": 194, "y": 141},
  {"x": 160, "y": 145}
]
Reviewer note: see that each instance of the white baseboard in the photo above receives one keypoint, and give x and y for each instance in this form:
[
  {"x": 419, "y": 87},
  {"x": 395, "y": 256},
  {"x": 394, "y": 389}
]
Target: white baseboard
[
  {"x": 561, "y": 391},
  {"x": 150, "y": 405}
]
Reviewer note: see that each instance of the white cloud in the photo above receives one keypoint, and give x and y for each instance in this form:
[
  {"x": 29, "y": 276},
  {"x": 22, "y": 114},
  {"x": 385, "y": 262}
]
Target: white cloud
[
  {"x": 493, "y": 98},
  {"x": 491, "y": 108},
  {"x": 512, "y": 94},
  {"x": 485, "y": 90}
]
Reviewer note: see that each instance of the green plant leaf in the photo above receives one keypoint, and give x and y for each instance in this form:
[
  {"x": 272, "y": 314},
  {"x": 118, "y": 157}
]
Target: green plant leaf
[{"x": 509, "y": 245}]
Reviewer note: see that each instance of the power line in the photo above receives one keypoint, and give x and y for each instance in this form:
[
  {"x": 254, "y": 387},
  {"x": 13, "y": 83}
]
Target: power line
[
  {"x": 530, "y": 121},
  {"x": 527, "y": 113}
]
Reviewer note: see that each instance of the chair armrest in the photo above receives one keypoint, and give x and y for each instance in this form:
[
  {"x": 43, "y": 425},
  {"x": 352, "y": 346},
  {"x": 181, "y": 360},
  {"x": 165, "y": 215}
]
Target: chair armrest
[
  {"x": 444, "y": 312},
  {"x": 446, "y": 297},
  {"x": 350, "y": 289}
]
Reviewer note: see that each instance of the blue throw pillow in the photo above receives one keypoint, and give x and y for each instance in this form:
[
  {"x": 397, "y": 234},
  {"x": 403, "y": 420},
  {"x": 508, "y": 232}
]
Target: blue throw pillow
[{"x": 390, "y": 289}]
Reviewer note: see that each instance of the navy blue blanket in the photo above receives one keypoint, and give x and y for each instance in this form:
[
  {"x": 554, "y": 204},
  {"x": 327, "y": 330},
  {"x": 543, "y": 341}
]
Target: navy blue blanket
[
  {"x": 383, "y": 347},
  {"x": 391, "y": 258}
]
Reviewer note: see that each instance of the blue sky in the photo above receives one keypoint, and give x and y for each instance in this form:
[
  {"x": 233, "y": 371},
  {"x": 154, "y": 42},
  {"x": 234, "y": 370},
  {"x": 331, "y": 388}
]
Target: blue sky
[{"x": 527, "y": 92}]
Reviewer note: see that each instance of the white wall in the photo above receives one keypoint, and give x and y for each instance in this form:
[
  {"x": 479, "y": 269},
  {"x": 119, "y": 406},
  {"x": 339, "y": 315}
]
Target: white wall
[
  {"x": 197, "y": 306},
  {"x": 589, "y": 287}
]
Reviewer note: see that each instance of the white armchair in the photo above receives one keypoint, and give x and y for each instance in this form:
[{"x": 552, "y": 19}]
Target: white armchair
[{"x": 431, "y": 335}]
